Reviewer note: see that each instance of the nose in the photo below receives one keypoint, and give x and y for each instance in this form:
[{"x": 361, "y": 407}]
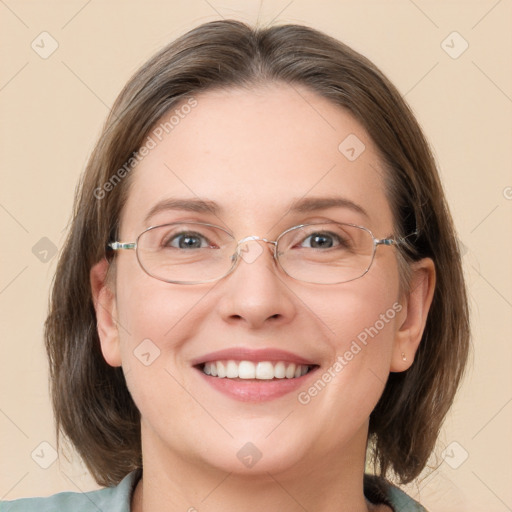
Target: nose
[{"x": 256, "y": 292}]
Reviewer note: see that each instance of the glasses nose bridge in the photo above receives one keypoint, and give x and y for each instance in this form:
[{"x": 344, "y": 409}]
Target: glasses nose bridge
[{"x": 255, "y": 238}]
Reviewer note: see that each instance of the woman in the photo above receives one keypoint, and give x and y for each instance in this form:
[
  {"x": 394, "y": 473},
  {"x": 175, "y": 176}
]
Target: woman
[{"x": 261, "y": 295}]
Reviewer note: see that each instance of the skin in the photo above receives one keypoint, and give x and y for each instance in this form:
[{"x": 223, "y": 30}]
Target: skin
[{"x": 254, "y": 152}]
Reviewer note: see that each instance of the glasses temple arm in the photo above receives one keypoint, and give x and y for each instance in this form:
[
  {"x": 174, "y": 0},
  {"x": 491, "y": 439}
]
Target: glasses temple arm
[{"x": 116, "y": 246}]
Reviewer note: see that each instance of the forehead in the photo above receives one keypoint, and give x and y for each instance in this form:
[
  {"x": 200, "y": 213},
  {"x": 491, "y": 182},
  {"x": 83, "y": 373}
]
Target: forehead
[{"x": 254, "y": 152}]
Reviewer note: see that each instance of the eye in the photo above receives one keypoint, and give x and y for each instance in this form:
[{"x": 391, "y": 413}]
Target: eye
[
  {"x": 186, "y": 240},
  {"x": 325, "y": 239}
]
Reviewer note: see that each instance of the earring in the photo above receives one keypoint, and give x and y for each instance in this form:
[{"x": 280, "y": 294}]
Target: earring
[{"x": 403, "y": 357}]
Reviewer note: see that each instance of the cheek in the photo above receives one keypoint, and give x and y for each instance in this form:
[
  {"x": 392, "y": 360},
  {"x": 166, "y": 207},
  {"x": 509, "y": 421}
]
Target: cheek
[
  {"x": 149, "y": 308},
  {"x": 363, "y": 313},
  {"x": 373, "y": 333},
  {"x": 155, "y": 320},
  {"x": 363, "y": 318},
  {"x": 150, "y": 333},
  {"x": 364, "y": 351},
  {"x": 363, "y": 343}
]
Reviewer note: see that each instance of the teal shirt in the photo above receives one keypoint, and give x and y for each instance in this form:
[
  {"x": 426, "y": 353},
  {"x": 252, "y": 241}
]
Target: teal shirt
[{"x": 118, "y": 499}]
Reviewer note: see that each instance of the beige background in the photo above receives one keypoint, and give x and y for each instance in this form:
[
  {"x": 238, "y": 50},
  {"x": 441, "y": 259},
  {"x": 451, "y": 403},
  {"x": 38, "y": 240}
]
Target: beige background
[{"x": 52, "y": 110}]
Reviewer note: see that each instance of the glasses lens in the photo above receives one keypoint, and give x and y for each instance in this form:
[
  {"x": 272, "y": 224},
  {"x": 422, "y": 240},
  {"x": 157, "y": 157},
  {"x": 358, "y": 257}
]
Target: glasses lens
[
  {"x": 186, "y": 252},
  {"x": 326, "y": 253}
]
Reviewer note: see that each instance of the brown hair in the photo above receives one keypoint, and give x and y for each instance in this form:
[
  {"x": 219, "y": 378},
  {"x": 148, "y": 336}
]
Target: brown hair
[{"x": 91, "y": 401}]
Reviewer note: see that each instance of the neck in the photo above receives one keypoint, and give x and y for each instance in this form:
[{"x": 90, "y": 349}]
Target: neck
[{"x": 175, "y": 482}]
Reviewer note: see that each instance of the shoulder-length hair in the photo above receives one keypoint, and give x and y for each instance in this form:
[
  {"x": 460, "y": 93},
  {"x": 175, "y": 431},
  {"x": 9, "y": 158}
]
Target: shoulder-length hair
[{"x": 92, "y": 405}]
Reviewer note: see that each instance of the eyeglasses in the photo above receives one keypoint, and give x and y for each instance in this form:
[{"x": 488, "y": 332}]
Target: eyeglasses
[{"x": 197, "y": 252}]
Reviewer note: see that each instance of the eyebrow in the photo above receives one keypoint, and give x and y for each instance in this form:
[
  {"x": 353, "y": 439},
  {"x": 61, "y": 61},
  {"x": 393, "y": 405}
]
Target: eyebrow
[{"x": 308, "y": 204}]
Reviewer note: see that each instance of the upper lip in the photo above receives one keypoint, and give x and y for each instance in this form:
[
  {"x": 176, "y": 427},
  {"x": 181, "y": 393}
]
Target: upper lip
[{"x": 247, "y": 354}]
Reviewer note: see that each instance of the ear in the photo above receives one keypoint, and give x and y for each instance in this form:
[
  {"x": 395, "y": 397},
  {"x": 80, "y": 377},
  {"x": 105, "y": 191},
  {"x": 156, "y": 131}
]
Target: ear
[
  {"x": 416, "y": 304},
  {"x": 106, "y": 313}
]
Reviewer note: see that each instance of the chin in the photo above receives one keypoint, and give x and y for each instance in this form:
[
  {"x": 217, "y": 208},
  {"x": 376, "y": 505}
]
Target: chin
[{"x": 251, "y": 460}]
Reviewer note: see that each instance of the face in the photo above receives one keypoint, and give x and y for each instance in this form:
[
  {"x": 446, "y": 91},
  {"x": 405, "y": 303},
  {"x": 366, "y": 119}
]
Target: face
[{"x": 255, "y": 153}]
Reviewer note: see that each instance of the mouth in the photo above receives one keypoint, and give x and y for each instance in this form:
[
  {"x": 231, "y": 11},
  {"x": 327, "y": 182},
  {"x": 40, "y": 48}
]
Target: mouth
[
  {"x": 255, "y": 370},
  {"x": 250, "y": 375}
]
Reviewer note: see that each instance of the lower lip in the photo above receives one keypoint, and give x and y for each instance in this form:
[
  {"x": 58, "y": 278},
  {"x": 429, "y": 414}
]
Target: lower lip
[{"x": 252, "y": 390}]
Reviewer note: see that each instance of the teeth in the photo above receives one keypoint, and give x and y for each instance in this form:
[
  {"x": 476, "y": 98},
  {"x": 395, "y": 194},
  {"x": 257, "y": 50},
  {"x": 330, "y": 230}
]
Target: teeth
[
  {"x": 290, "y": 371},
  {"x": 221, "y": 369},
  {"x": 280, "y": 370},
  {"x": 246, "y": 370},
  {"x": 232, "y": 370},
  {"x": 264, "y": 370}
]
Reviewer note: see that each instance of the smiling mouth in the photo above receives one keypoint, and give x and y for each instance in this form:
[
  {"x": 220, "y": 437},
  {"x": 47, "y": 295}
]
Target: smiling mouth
[{"x": 251, "y": 370}]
